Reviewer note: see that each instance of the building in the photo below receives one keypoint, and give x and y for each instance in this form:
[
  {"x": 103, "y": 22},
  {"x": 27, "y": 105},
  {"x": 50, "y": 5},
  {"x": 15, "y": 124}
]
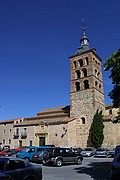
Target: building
[{"x": 68, "y": 125}]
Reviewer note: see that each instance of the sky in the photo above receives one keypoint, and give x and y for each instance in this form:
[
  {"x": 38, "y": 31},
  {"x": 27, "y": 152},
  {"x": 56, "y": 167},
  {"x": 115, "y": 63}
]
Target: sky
[{"x": 37, "y": 37}]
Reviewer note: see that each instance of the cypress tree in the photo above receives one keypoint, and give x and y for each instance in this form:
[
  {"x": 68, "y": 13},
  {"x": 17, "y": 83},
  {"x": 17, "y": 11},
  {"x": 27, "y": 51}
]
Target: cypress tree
[{"x": 97, "y": 127}]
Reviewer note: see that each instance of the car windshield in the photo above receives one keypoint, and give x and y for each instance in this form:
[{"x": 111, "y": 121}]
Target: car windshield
[
  {"x": 26, "y": 150},
  {"x": 88, "y": 149},
  {"x": 100, "y": 149}
]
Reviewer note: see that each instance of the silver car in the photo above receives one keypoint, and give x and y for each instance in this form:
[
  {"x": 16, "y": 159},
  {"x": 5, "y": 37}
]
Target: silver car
[
  {"x": 88, "y": 152},
  {"x": 102, "y": 152}
]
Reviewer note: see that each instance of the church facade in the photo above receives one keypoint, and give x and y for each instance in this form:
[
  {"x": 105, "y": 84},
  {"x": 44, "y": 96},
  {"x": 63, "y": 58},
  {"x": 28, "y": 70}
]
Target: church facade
[{"x": 68, "y": 125}]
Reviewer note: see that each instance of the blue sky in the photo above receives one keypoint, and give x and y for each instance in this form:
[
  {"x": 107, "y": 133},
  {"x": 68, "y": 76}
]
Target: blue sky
[{"x": 36, "y": 39}]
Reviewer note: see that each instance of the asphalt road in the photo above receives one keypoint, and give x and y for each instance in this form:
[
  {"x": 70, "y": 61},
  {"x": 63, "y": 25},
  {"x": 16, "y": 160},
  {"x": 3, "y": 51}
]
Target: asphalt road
[{"x": 91, "y": 168}]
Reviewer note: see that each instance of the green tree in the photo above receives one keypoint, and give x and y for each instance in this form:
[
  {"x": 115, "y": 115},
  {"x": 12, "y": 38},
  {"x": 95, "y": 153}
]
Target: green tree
[
  {"x": 113, "y": 64},
  {"x": 97, "y": 127}
]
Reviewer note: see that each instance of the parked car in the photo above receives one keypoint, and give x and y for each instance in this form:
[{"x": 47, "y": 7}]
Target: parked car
[
  {"x": 111, "y": 153},
  {"x": 59, "y": 156},
  {"x": 117, "y": 150},
  {"x": 38, "y": 157},
  {"x": 28, "y": 152},
  {"x": 77, "y": 149},
  {"x": 88, "y": 152},
  {"x": 4, "y": 152},
  {"x": 115, "y": 168},
  {"x": 20, "y": 169},
  {"x": 13, "y": 152},
  {"x": 102, "y": 152}
]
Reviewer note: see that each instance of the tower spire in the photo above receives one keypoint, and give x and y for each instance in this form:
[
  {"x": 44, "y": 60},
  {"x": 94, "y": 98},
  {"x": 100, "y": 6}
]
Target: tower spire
[{"x": 84, "y": 41}]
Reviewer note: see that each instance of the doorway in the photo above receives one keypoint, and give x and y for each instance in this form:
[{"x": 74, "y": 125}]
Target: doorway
[{"x": 41, "y": 141}]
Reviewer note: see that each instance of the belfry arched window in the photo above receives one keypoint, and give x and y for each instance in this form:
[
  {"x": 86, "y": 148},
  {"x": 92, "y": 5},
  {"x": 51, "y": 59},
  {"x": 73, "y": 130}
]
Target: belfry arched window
[
  {"x": 80, "y": 62},
  {"x": 86, "y": 84},
  {"x": 74, "y": 64},
  {"x": 78, "y": 74},
  {"x": 84, "y": 72},
  {"x": 77, "y": 85}
]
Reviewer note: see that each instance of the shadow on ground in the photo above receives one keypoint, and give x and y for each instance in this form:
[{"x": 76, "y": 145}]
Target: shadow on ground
[{"x": 97, "y": 170}]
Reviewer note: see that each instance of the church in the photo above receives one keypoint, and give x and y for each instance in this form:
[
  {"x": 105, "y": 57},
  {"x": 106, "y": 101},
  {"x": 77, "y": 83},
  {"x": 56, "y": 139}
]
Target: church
[{"x": 68, "y": 125}]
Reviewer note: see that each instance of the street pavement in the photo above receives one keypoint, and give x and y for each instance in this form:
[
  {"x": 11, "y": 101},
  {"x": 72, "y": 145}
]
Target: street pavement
[{"x": 91, "y": 168}]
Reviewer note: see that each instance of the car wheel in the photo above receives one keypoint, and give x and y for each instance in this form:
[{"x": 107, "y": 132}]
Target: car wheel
[
  {"x": 59, "y": 162},
  {"x": 79, "y": 161},
  {"x": 44, "y": 163}
]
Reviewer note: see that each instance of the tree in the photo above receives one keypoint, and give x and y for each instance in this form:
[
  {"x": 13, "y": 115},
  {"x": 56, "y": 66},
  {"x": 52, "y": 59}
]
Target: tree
[
  {"x": 97, "y": 127},
  {"x": 113, "y": 64}
]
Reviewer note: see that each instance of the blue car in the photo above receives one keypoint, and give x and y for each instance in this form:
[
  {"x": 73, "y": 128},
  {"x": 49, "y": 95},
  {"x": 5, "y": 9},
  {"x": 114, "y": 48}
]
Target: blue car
[{"x": 28, "y": 152}]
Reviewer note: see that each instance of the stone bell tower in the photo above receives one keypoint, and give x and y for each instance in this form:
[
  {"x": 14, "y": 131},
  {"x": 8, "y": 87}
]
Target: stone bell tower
[{"x": 86, "y": 86}]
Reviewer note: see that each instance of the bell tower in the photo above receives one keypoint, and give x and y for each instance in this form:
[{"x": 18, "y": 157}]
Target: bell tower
[{"x": 86, "y": 85}]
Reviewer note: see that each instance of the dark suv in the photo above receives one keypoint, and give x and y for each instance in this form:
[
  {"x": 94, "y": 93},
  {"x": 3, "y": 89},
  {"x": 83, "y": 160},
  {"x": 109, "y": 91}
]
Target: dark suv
[{"x": 58, "y": 156}]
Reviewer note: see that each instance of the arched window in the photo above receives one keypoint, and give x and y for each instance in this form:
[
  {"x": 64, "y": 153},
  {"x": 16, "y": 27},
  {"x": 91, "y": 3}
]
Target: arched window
[
  {"x": 80, "y": 62},
  {"x": 74, "y": 64},
  {"x": 83, "y": 120},
  {"x": 78, "y": 74},
  {"x": 95, "y": 72},
  {"x": 84, "y": 72},
  {"x": 86, "y": 84},
  {"x": 86, "y": 61},
  {"x": 77, "y": 84},
  {"x": 96, "y": 83}
]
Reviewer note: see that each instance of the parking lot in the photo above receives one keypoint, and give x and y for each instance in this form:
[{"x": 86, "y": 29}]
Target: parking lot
[{"x": 91, "y": 168}]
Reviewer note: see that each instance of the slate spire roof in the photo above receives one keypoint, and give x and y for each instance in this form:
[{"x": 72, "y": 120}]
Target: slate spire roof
[{"x": 84, "y": 41}]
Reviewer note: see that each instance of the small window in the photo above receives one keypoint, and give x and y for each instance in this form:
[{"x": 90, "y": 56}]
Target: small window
[
  {"x": 10, "y": 130},
  {"x": 4, "y": 131},
  {"x": 30, "y": 142},
  {"x": 83, "y": 120},
  {"x": 9, "y": 141},
  {"x": 110, "y": 111},
  {"x": 3, "y": 141}
]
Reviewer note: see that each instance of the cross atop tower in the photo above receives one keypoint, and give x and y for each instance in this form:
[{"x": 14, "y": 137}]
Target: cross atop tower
[{"x": 83, "y": 27}]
